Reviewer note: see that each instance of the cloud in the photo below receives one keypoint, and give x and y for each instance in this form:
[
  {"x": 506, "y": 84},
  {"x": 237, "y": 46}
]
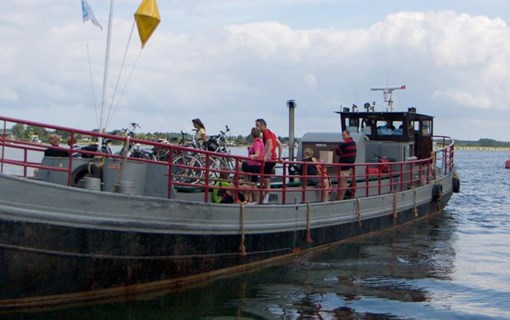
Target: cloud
[
  {"x": 311, "y": 80},
  {"x": 231, "y": 73},
  {"x": 8, "y": 94},
  {"x": 458, "y": 97}
]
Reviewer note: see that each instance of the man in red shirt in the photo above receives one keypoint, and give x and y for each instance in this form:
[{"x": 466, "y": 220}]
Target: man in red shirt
[
  {"x": 271, "y": 142},
  {"x": 347, "y": 153}
]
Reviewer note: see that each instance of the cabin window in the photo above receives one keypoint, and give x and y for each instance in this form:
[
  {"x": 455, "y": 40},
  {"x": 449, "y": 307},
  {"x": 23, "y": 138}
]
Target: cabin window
[
  {"x": 426, "y": 128},
  {"x": 399, "y": 128},
  {"x": 351, "y": 124},
  {"x": 389, "y": 127}
]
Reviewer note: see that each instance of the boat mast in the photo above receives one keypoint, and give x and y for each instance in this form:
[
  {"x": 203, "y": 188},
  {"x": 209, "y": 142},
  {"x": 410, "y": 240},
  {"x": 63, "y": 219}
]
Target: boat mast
[{"x": 105, "y": 77}]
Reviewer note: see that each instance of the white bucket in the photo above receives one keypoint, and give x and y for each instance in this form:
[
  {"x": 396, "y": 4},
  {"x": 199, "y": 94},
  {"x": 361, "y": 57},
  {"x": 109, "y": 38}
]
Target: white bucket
[{"x": 92, "y": 183}]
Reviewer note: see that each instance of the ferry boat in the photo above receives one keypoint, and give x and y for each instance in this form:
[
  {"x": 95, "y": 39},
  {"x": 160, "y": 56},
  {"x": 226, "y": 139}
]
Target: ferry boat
[{"x": 95, "y": 225}]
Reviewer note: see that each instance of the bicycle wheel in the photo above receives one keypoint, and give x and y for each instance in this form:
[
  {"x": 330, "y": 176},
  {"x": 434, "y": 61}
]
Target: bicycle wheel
[
  {"x": 219, "y": 166},
  {"x": 227, "y": 163},
  {"x": 187, "y": 169}
]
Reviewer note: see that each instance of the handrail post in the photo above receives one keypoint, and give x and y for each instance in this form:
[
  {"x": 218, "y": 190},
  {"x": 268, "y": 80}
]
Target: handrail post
[
  {"x": 367, "y": 181},
  {"x": 379, "y": 179},
  {"x": 170, "y": 182},
  {"x": 304, "y": 181},
  {"x": 25, "y": 160},
  {"x": 402, "y": 175},
  {"x": 207, "y": 172},
  {"x": 353, "y": 183},
  {"x": 3, "y": 146},
  {"x": 411, "y": 173},
  {"x": 284, "y": 184},
  {"x": 70, "y": 172}
]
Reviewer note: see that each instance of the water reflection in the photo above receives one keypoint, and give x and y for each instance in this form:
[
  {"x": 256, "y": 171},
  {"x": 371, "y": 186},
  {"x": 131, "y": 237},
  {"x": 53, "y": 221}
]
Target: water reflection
[
  {"x": 393, "y": 266},
  {"x": 452, "y": 266}
]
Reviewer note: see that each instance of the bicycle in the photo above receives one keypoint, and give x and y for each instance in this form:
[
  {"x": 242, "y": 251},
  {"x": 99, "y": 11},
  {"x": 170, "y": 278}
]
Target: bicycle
[
  {"x": 218, "y": 143},
  {"x": 135, "y": 150},
  {"x": 190, "y": 167},
  {"x": 186, "y": 167}
]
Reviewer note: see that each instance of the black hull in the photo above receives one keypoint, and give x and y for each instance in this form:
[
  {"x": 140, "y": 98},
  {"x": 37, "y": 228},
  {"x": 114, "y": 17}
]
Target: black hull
[{"x": 45, "y": 264}]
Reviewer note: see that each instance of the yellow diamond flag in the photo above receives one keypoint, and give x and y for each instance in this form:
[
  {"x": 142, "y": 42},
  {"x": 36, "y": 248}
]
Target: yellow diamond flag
[{"x": 147, "y": 19}]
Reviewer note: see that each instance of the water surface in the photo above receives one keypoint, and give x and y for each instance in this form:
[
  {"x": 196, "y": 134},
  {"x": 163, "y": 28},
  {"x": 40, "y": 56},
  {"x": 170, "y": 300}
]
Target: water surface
[{"x": 451, "y": 266}]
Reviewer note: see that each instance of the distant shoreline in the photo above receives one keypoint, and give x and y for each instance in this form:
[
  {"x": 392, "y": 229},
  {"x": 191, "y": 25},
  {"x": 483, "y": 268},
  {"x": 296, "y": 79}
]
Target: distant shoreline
[{"x": 480, "y": 148}]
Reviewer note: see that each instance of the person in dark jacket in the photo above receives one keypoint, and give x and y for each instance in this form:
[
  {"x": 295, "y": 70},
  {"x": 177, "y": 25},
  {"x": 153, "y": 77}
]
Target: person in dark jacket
[
  {"x": 347, "y": 153},
  {"x": 54, "y": 140}
]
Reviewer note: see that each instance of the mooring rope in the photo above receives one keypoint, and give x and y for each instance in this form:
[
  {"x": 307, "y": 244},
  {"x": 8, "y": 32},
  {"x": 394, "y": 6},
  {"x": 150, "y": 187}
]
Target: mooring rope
[
  {"x": 242, "y": 247},
  {"x": 415, "y": 209},
  {"x": 358, "y": 211},
  {"x": 439, "y": 199},
  {"x": 308, "y": 223},
  {"x": 132, "y": 257},
  {"x": 395, "y": 213}
]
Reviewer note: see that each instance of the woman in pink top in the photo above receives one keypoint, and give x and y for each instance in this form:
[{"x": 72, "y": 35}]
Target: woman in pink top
[{"x": 255, "y": 155}]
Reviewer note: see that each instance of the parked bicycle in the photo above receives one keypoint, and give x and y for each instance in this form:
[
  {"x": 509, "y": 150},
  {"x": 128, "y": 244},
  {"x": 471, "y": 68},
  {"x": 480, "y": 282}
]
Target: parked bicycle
[
  {"x": 218, "y": 143},
  {"x": 190, "y": 166},
  {"x": 186, "y": 166},
  {"x": 135, "y": 150}
]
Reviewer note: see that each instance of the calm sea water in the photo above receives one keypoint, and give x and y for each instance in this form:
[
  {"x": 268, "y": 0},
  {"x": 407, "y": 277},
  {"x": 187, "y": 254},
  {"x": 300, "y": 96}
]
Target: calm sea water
[{"x": 452, "y": 266}]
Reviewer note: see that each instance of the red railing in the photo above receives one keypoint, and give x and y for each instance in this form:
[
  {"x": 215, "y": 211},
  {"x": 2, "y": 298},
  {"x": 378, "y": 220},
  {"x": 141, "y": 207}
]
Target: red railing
[{"x": 199, "y": 168}]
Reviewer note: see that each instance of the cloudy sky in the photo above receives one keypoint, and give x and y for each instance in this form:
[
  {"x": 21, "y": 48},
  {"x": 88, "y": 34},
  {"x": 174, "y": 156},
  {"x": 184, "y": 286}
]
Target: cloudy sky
[{"x": 229, "y": 62}]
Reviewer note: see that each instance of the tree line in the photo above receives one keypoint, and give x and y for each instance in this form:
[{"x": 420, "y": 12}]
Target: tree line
[
  {"x": 23, "y": 132},
  {"x": 485, "y": 142}
]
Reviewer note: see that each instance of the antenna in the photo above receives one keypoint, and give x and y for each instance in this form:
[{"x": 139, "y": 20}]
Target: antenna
[{"x": 387, "y": 91}]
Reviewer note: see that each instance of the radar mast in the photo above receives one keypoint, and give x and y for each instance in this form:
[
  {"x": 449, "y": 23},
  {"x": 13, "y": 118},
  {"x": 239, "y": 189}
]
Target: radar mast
[{"x": 387, "y": 91}]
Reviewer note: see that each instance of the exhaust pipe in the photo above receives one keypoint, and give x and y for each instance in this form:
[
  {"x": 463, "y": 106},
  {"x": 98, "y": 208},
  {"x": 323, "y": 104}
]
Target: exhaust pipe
[{"x": 292, "y": 106}]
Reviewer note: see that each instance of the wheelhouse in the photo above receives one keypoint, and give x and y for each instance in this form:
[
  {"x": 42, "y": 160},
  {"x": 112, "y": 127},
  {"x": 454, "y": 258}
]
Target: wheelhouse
[{"x": 409, "y": 128}]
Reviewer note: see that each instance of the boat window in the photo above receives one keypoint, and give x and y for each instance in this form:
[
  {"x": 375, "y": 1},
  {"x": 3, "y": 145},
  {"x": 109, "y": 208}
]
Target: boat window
[
  {"x": 389, "y": 127},
  {"x": 426, "y": 128},
  {"x": 416, "y": 126},
  {"x": 399, "y": 128},
  {"x": 352, "y": 124}
]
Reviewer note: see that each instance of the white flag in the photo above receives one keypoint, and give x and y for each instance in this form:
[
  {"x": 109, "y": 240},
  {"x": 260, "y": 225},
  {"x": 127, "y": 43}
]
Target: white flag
[{"x": 88, "y": 14}]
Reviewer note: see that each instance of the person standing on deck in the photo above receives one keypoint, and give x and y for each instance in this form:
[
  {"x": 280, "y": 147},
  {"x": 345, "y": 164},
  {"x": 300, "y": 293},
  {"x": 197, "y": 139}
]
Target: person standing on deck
[
  {"x": 271, "y": 142},
  {"x": 200, "y": 136},
  {"x": 254, "y": 162},
  {"x": 347, "y": 153}
]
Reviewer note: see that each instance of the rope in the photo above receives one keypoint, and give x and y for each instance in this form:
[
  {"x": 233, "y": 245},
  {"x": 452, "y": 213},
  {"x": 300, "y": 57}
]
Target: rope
[
  {"x": 130, "y": 257},
  {"x": 358, "y": 211},
  {"x": 92, "y": 81},
  {"x": 126, "y": 84},
  {"x": 308, "y": 223},
  {"x": 395, "y": 213},
  {"x": 455, "y": 175},
  {"x": 242, "y": 247},
  {"x": 415, "y": 210},
  {"x": 112, "y": 109},
  {"x": 125, "y": 151},
  {"x": 438, "y": 203}
]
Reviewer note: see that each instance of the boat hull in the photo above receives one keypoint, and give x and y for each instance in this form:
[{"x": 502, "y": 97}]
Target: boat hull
[{"x": 96, "y": 245}]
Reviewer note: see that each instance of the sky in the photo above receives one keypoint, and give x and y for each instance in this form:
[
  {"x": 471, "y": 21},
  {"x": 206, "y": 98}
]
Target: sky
[{"x": 229, "y": 62}]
